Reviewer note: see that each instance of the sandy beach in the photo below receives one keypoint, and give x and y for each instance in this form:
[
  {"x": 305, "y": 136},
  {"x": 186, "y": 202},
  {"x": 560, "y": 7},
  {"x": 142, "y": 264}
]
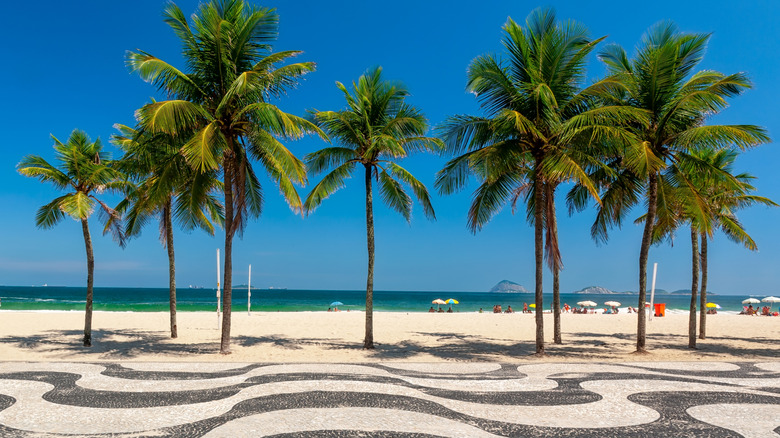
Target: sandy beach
[{"x": 412, "y": 337}]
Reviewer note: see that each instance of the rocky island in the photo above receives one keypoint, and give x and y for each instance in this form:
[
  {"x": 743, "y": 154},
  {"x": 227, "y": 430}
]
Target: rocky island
[{"x": 506, "y": 286}]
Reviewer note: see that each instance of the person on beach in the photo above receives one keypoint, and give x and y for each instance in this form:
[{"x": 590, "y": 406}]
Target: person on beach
[
  {"x": 509, "y": 309},
  {"x": 525, "y": 308},
  {"x": 566, "y": 308},
  {"x": 431, "y": 310},
  {"x": 329, "y": 309},
  {"x": 449, "y": 310},
  {"x": 480, "y": 310}
]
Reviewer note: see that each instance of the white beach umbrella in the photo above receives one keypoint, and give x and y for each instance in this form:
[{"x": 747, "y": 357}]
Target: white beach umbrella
[
  {"x": 587, "y": 303},
  {"x": 771, "y": 300},
  {"x": 751, "y": 301},
  {"x": 612, "y": 304}
]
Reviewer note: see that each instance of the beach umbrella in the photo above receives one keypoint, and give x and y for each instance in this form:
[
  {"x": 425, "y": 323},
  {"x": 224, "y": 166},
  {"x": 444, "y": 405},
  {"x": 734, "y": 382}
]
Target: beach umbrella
[
  {"x": 532, "y": 305},
  {"x": 452, "y": 301},
  {"x": 713, "y": 306},
  {"x": 438, "y": 302},
  {"x": 587, "y": 303},
  {"x": 771, "y": 300},
  {"x": 612, "y": 304},
  {"x": 336, "y": 304},
  {"x": 751, "y": 301}
]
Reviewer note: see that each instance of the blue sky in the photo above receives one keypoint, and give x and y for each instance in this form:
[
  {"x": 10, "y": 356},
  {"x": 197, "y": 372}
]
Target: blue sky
[{"x": 64, "y": 69}]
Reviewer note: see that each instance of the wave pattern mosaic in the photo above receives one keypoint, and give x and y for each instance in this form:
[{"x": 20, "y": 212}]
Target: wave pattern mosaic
[{"x": 390, "y": 399}]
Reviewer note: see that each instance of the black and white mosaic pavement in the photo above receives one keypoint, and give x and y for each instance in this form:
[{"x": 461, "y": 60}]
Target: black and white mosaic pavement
[{"x": 390, "y": 399}]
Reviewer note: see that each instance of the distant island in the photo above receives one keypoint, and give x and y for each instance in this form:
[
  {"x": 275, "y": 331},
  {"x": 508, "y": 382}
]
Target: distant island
[
  {"x": 595, "y": 290},
  {"x": 506, "y": 286}
]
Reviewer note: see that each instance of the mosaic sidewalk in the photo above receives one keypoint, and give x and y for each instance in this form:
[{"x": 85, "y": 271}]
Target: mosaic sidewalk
[{"x": 390, "y": 399}]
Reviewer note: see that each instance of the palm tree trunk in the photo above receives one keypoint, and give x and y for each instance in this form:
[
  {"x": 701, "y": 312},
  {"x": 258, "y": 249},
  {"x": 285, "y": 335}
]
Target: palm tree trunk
[
  {"x": 171, "y": 266},
  {"x": 90, "y": 280},
  {"x": 227, "y": 292},
  {"x": 644, "y": 252},
  {"x": 368, "y": 342},
  {"x": 694, "y": 288},
  {"x": 554, "y": 255},
  {"x": 539, "y": 259},
  {"x": 703, "y": 296}
]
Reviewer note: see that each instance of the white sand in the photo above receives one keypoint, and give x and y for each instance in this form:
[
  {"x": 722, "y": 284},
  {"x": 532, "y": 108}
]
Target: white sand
[{"x": 409, "y": 337}]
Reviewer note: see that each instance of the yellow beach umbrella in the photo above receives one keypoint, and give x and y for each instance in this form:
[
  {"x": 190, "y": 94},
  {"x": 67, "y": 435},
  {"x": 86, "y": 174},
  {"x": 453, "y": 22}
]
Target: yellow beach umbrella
[
  {"x": 452, "y": 301},
  {"x": 713, "y": 306}
]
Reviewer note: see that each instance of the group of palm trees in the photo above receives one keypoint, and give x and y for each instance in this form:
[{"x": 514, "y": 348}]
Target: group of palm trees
[{"x": 637, "y": 135}]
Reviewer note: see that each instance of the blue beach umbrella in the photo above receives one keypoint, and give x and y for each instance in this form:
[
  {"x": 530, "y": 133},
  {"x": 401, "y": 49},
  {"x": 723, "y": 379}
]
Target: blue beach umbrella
[
  {"x": 452, "y": 301},
  {"x": 336, "y": 303}
]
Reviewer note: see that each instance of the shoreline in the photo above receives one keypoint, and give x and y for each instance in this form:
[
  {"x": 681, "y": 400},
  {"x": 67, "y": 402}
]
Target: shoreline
[{"x": 336, "y": 337}]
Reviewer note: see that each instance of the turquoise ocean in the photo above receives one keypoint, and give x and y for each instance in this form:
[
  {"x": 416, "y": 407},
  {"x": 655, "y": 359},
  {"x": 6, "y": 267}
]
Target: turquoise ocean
[{"x": 118, "y": 299}]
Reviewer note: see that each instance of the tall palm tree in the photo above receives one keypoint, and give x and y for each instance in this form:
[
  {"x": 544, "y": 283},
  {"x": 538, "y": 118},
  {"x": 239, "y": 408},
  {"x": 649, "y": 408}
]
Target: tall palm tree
[
  {"x": 377, "y": 128},
  {"x": 223, "y": 98},
  {"x": 659, "y": 84},
  {"x": 693, "y": 192},
  {"x": 723, "y": 197},
  {"x": 168, "y": 188},
  {"x": 84, "y": 171},
  {"x": 538, "y": 131}
]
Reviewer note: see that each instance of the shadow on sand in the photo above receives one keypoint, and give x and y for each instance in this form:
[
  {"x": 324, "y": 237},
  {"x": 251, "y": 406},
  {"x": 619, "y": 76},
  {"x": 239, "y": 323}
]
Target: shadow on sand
[{"x": 129, "y": 344}]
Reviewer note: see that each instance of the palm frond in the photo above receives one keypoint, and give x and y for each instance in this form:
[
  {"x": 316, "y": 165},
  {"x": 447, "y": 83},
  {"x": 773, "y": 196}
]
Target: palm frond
[{"x": 330, "y": 183}]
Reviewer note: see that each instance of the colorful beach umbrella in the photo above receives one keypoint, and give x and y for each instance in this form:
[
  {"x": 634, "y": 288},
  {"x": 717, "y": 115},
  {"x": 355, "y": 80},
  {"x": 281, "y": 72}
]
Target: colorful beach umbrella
[
  {"x": 751, "y": 301},
  {"x": 452, "y": 301}
]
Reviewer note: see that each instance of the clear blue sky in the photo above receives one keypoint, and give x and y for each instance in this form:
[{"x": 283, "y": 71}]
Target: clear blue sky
[{"x": 64, "y": 68}]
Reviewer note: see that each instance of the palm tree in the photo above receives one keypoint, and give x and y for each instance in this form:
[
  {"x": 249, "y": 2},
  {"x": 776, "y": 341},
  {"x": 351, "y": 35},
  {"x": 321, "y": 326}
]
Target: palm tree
[
  {"x": 169, "y": 189},
  {"x": 84, "y": 171},
  {"x": 223, "y": 98},
  {"x": 693, "y": 191},
  {"x": 659, "y": 84},
  {"x": 538, "y": 132},
  {"x": 723, "y": 197},
  {"x": 377, "y": 128}
]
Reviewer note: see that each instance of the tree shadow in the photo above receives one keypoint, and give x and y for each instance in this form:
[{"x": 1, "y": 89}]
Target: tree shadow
[
  {"x": 108, "y": 344},
  {"x": 762, "y": 348},
  {"x": 449, "y": 346}
]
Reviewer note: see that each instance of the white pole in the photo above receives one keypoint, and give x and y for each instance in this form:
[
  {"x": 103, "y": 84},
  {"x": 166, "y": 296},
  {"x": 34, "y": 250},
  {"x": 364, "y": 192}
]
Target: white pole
[
  {"x": 249, "y": 293},
  {"x": 652, "y": 290},
  {"x": 219, "y": 308}
]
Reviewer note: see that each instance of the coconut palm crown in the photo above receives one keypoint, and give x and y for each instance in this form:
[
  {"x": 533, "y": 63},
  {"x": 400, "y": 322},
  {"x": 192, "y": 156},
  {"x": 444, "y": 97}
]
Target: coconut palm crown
[
  {"x": 223, "y": 99},
  {"x": 85, "y": 172},
  {"x": 377, "y": 128}
]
